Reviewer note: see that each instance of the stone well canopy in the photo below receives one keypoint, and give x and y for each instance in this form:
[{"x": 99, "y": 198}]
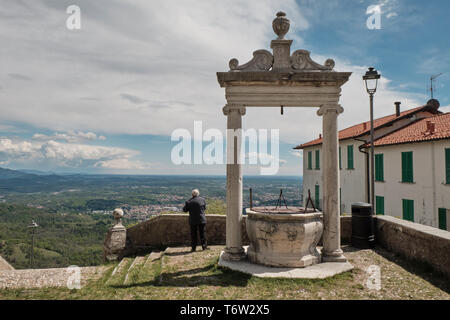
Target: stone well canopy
[{"x": 281, "y": 78}]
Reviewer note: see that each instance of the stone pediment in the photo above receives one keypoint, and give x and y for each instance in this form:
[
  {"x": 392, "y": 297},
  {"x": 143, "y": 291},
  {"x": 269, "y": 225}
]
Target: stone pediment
[
  {"x": 263, "y": 60},
  {"x": 281, "y": 59}
]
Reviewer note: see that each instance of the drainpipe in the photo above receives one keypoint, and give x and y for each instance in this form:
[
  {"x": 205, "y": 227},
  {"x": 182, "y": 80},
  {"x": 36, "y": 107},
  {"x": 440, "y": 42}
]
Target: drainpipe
[{"x": 360, "y": 148}]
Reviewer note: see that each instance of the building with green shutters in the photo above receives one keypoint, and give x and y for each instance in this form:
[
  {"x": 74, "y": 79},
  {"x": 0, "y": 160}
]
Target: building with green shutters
[{"x": 412, "y": 165}]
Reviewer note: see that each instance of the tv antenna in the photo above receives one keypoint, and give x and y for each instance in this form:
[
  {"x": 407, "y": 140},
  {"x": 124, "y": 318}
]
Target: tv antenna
[{"x": 433, "y": 78}]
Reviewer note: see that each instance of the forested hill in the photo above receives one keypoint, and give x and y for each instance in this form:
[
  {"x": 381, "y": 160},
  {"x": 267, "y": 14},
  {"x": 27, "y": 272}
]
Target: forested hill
[
  {"x": 6, "y": 174},
  {"x": 60, "y": 240},
  {"x": 18, "y": 181}
]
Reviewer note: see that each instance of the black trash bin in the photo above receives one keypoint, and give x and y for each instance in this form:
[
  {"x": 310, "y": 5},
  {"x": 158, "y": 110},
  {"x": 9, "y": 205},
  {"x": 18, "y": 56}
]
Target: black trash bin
[{"x": 362, "y": 226}]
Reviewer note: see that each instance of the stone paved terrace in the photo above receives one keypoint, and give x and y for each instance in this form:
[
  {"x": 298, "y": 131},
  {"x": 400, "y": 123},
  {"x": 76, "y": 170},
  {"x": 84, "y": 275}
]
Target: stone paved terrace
[
  {"x": 176, "y": 273},
  {"x": 43, "y": 278}
]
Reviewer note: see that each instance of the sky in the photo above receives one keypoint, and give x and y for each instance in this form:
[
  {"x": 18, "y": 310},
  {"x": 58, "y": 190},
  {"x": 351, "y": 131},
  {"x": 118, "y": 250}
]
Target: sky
[{"x": 107, "y": 97}]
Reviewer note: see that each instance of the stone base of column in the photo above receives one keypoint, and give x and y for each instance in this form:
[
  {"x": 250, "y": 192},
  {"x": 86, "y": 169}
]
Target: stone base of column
[
  {"x": 333, "y": 256},
  {"x": 234, "y": 254}
]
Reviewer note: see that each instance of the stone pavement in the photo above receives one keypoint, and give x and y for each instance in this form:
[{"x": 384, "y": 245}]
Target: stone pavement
[
  {"x": 317, "y": 271},
  {"x": 40, "y": 278}
]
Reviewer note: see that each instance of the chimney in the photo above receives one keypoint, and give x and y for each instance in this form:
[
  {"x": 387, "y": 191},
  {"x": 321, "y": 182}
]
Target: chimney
[
  {"x": 320, "y": 136},
  {"x": 364, "y": 126},
  {"x": 397, "y": 108},
  {"x": 430, "y": 127}
]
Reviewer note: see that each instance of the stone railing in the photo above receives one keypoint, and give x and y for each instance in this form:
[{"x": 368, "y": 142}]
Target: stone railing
[
  {"x": 415, "y": 241},
  {"x": 173, "y": 229}
]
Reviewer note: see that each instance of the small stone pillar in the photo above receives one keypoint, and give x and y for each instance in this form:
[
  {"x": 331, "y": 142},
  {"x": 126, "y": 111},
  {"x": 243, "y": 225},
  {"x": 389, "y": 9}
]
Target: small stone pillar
[
  {"x": 331, "y": 251},
  {"x": 116, "y": 238},
  {"x": 234, "y": 250}
]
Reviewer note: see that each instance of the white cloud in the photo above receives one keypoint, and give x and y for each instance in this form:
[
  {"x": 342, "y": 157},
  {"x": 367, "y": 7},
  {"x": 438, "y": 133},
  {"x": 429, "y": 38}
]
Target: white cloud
[
  {"x": 70, "y": 136},
  {"x": 153, "y": 74},
  {"x": 64, "y": 154},
  {"x": 123, "y": 164},
  {"x": 297, "y": 153},
  {"x": 145, "y": 77},
  {"x": 263, "y": 157},
  {"x": 391, "y": 15}
]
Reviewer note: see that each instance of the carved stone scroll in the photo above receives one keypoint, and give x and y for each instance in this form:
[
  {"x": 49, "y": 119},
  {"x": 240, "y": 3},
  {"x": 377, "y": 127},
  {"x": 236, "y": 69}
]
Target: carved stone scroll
[
  {"x": 300, "y": 60},
  {"x": 262, "y": 61}
]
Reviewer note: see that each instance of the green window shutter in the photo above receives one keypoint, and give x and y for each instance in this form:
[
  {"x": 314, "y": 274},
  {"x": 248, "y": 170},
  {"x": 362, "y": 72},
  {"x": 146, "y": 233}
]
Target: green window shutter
[
  {"x": 407, "y": 166},
  {"x": 443, "y": 218},
  {"x": 408, "y": 210},
  {"x": 317, "y": 159},
  {"x": 340, "y": 159},
  {"x": 350, "y": 157},
  {"x": 340, "y": 200},
  {"x": 379, "y": 169},
  {"x": 379, "y": 205},
  {"x": 309, "y": 160},
  {"x": 447, "y": 166},
  {"x": 316, "y": 196}
]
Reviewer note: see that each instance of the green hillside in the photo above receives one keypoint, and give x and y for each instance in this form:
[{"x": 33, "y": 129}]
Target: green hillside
[{"x": 60, "y": 240}]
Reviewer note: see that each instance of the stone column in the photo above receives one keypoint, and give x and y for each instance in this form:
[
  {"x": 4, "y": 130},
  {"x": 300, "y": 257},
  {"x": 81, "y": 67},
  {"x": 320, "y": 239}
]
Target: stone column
[
  {"x": 234, "y": 250},
  {"x": 331, "y": 251}
]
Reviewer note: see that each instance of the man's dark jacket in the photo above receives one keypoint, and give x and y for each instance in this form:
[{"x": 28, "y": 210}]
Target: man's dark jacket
[{"x": 196, "y": 207}]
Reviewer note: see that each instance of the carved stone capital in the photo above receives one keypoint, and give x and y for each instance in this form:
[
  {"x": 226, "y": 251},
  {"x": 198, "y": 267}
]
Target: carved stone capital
[
  {"x": 330, "y": 108},
  {"x": 233, "y": 108}
]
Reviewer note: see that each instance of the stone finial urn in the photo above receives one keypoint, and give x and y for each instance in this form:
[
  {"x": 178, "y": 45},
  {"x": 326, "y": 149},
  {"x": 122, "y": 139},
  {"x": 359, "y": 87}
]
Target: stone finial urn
[
  {"x": 281, "y": 25},
  {"x": 118, "y": 214}
]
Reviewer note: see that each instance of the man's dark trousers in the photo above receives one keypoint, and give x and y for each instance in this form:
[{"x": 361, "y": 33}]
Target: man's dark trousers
[
  {"x": 197, "y": 219},
  {"x": 201, "y": 230}
]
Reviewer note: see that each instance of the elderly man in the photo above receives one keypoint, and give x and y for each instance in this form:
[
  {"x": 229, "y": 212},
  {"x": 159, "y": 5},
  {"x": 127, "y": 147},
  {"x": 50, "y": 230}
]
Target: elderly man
[{"x": 197, "y": 219}]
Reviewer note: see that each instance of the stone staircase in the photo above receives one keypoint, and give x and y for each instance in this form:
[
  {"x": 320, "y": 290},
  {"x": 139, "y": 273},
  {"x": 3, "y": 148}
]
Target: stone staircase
[
  {"x": 136, "y": 269},
  {"x": 148, "y": 268}
]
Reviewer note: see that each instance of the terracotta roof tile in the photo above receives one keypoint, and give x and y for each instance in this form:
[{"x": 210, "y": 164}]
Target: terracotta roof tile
[
  {"x": 418, "y": 131},
  {"x": 364, "y": 127}
]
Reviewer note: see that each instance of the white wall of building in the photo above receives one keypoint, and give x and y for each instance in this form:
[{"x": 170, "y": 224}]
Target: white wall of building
[
  {"x": 353, "y": 181},
  {"x": 428, "y": 190}
]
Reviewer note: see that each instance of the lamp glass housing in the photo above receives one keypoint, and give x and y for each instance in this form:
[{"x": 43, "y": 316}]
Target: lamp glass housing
[{"x": 371, "y": 79}]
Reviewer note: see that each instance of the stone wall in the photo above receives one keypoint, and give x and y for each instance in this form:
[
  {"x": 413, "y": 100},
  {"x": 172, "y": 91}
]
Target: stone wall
[
  {"x": 172, "y": 230},
  {"x": 414, "y": 241}
]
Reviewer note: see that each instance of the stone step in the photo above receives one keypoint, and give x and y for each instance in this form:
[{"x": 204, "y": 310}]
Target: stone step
[
  {"x": 133, "y": 270},
  {"x": 41, "y": 278},
  {"x": 118, "y": 275},
  {"x": 152, "y": 257},
  {"x": 119, "y": 267},
  {"x": 151, "y": 267}
]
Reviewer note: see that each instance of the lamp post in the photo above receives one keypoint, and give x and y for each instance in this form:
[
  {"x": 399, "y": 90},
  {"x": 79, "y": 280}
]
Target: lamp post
[
  {"x": 33, "y": 227},
  {"x": 371, "y": 79}
]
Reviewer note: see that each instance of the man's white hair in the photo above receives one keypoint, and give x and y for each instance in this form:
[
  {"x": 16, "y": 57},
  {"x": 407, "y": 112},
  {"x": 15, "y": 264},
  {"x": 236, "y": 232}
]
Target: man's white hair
[{"x": 195, "y": 193}]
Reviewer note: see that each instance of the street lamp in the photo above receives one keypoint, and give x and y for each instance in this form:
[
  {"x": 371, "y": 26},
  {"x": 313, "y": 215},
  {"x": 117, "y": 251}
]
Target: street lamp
[
  {"x": 371, "y": 79},
  {"x": 33, "y": 227}
]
